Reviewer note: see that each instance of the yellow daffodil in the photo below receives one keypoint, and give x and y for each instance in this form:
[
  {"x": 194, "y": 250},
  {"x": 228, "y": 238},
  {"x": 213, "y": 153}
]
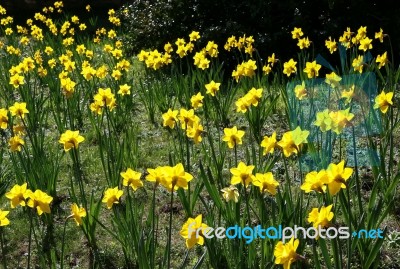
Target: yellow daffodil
[
  {"x": 176, "y": 177},
  {"x": 315, "y": 181},
  {"x": 383, "y": 101},
  {"x": 230, "y": 193},
  {"x": 131, "y": 178},
  {"x": 358, "y": 64},
  {"x": 337, "y": 177},
  {"x": 233, "y": 136},
  {"x": 382, "y": 60},
  {"x": 112, "y": 196},
  {"x": 212, "y": 87},
  {"x": 18, "y": 195},
  {"x": 16, "y": 143},
  {"x": 268, "y": 144},
  {"x": 124, "y": 89},
  {"x": 19, "y": 109},
  {"x": 242, "y": 174},
  {"x": 321, "y": 217},
  {"x": 197, "y": 100},
  {"x": 331, "y": 45},
  {"x": 3, "y": 118},
  {"x": 300, "y": 91},
  {"x": 292, "y": 141},
  {"x": 312, "y": 69},
  {"x": 170, "y": 118},
  {"x": 324, "y": 121},
  {"x": 78, "y": 213},
  {"x": 266, "y": 183},
  {"x": 285, "y": 254},
  {"x": 4, "y": 221},
  {"x": 190, "y": 231},
  {"x": 40, "y": 201},
  {"x": 71, "y": 139},
  {"x": 297, "y": 33},
  {"x": 289, "y": 67}
]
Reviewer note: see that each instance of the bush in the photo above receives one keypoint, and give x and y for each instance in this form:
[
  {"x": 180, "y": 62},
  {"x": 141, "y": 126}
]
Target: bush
[{"x": 150, "y": 25}]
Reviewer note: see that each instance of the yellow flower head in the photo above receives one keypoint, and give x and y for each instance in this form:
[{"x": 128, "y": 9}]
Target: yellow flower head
[
  {"x": 168, "y": 48},
  {"x": 292, "y": 141},
  {"x": 230, "y": 193},
  {"x": 269, "y": 143},
  {"x": 285, "y": 254},
  {"x": 78, "y": 213},
  {"x": 358, "y": 64},
  {"x": 19, "y": 109},
  {"x": 331, "y": 45},
  {"x": 233, "y": 136},
  {"x": 340, "y": 119},
  {"x": 254, "y": 96},
  {"x": 176, "y": 177},
  {"x": 297, "y": 33},
  {"x": 4, "y": 221},
  {"x": 192, "y": 231},
  {"x": 337, "y": 177},
  {"x": 300, "y": 91},
  {"x": 304, "y": 43},
  {"x": 266, "y": 183},
  {"x": 71, "y": 139},
  {"x": 267, "y": 69},
  {"x": 3, "y": 118},
  {"x": 242, "y": 104},
  {"x": 312, "y": 69},
  {"x": 105, "y": 97},
  {"x": 212, "y": 49},
  {"x": 197, "y": 100},
  {"x": 383, "y": 101},
  {"x": 170, "y": 118},
  {"x": 272, "y": 60},
  {"x": 324, "y": 121},
  {"x": 365, "y": 44},
  {"x": 156, "y": 175},
  {"x": 379, "y": 35},
  {"x": 40, "y": 201},
  {"x": 112, "y": 196},
  {"x": 16, "y": 143},
  {"x": 194, "y": 36},
  {"x": 18, "y": 195},
  {"x": 382, "y": 60},
  {"x": 348, "y": 94},
  {"x": 17, "y": 80},
  {"x": 321, "y": 217},
  {"x": 242, "y": 174},
  {"x": 289, "y": 67},
  {"x": 124, "y": 89},
  {"x": 187, "y": 118},
  {"x": 67, "y": 86},
  {"x": 315, "y": 181},
  {"x": 195, "y": 131},
  {"x": 212, "y": 88},
  {"x": 131, "y": 178}
]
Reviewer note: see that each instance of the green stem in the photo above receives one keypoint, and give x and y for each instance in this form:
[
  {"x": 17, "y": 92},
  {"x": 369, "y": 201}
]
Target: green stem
[
  {"x": 30, "y": 240},
  {"x": 170, "y": 229},
  {"x": 63, "y": 244},
  {"x": 188, "y": 165},
  {"x": 360, "y": 208},
  {"x": 247, "y": 204},
  {"x": 3, "y": 250},
  {"x": 153, "y": 209},
  {"x": 236, "y": 161}
]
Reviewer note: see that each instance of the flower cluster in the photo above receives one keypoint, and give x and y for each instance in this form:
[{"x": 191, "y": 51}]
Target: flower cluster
[{"x": 38, "y": 200}]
